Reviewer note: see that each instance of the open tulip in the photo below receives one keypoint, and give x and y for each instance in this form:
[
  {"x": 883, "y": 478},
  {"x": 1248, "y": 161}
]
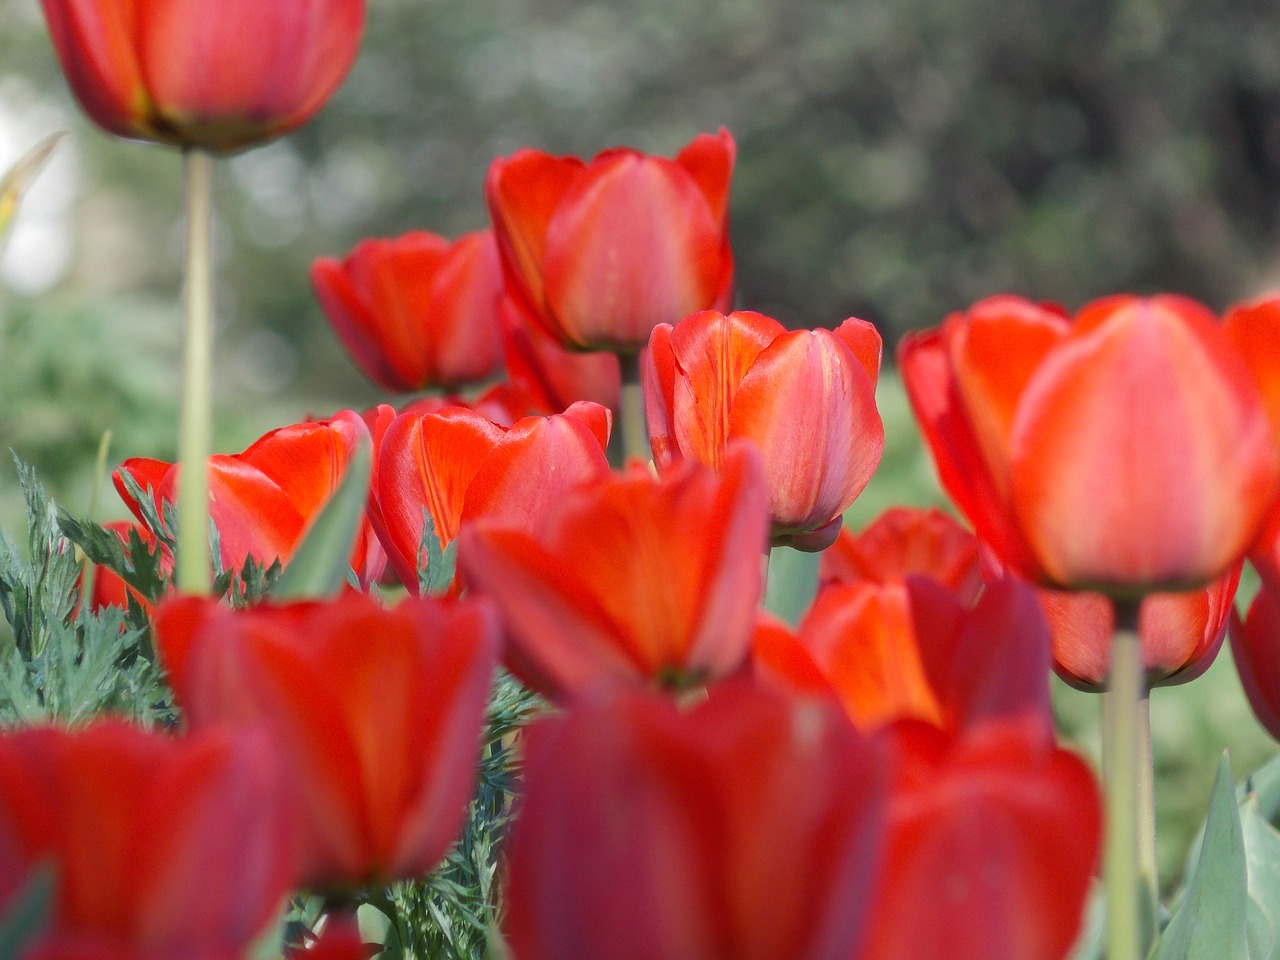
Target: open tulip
[
  {"x": 745, "y": 827},
  {"x": 162, "y": 847},
  {"x": 263, "y": 500},
  {"x": 377, "y": 713},
  {"x": 602, "y": 252},
  {"x": 908, "y": 542},
  {"x": 218, "y": 74},
  {"x": 805, "y": 398},
  {"x": 417, "y": 311},
  {"x": 1046, "y": 434},
  {"x": 629, "y": 580}
]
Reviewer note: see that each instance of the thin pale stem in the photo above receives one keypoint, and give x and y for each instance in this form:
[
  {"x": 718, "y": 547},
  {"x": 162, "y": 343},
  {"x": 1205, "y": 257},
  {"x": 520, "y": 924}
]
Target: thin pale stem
[
  {"x": 193, "y": 573},
  {"x": 1129, "y": 857},
  {"x": 99, "y": 474},
  {"x": 635, "y": 432}
]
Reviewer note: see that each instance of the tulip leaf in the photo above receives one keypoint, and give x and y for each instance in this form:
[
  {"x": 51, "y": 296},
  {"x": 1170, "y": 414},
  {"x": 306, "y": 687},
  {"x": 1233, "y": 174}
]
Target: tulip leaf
[
  {"x": 319, "y": 567},
  {"x": 29, "y": 911},
  {"x": 14, "y": 184},
  {"x": 1212, "y": 919},
  {"x": 1262, "y": 854},
  {"x": 1264, "y": 785},
  {"x": 793, "y": 583},
  {"x": 436, "y": 564}
]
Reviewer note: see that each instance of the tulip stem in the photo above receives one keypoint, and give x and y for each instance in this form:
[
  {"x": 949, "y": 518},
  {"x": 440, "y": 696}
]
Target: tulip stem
[
  {"x": 1129, "y": 863},
  {"x": 193, "y": 573},
  {"x": 635, "y": 433}
]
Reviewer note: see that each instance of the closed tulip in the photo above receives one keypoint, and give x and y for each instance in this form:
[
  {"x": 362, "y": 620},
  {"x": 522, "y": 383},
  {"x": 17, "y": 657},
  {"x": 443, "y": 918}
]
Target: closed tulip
[
  {"x": 601, "y": 252},
  {"x": 163, "y": 848},
  {"x": 218, "y": 74},
  {"x": 417, "y": 311},
  {"x": 263, "y": 500},
  {"x": 377, "y": 713},
  {"x": 805, "y": 398},
  {"x": 1125, "y": 452},
  {"x": 745, "y": 827},
  {"x": 629, "y": 580},
  {"x": 555, "y": 378},
  {"x": 455, "y": 465}
]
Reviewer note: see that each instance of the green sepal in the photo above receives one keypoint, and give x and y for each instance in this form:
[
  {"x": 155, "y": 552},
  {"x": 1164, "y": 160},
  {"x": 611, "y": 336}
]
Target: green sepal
[{"x": 1211, "y": 922}]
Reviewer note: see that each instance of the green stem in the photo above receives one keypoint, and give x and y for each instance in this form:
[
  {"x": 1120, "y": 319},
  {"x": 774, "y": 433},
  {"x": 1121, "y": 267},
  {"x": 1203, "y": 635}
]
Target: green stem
[
  {"x": 1129, "y": 857},
  {"x": 635, "y": 432},
  {"x": 193, "y": 574}
]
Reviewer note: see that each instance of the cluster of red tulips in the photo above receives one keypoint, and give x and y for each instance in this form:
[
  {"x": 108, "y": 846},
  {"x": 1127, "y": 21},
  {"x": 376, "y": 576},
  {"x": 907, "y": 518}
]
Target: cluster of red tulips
[{"x": 880, "y": 781}]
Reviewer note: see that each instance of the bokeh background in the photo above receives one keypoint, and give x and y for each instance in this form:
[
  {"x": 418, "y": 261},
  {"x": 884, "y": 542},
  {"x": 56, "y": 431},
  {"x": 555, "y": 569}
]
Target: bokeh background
[{"x": 897, "y": 160}]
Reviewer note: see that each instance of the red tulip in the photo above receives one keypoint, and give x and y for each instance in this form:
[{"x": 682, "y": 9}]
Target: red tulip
[
  {"x": 806, "y": 398},
  {"x": 218, "y": 74},
  {"x": 745, "y": 827},
  {"x": 904, "y": 542},
  {"x": 417, "y": 311},
  {"x": 1046, "y": 434},
  {"x": 455, "y": 465},
  {"x": 162, "y": 847},
  {"x": 910, "y": 649},
  {"x": 602, "y": 252},
  {"x": 262, "y": 501},
  {"x": 377, "y": 712},
  {"x": 553, "y": 377},
  {"x": 1255, "y": 647},
  {"x": 992, "y": 841},
  {"x": 630, "y": 579},
  {"x": 1181, "y": 633}
]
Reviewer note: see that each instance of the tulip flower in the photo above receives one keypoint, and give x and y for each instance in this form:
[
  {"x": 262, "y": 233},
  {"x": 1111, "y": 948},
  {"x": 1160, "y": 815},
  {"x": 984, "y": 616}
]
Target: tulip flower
[
  {"x": 911, "y": 649},
  {"x": 162, "y": 847},
  {"x": 553, "y": 377},
  {"x": 1255, "y": 647},
  {"x": 377, "y": 714},
  {"x": 455, "y": 465},
  {"x": 745, "y": 827},
  {"x": 263, "y": 500},
  {"x": 1046, "y": 434},
  {"x": 991, "y": 845},
  {"x": 629, "y": 580},
  {"x": 417, "y": 311},
  {"x": 219, "y": 75},
  {"x": 1180, "y": 633},
  {"x": 806, "y": 398},
  {"x": 903, "y": 542},
  {"x": 602, "y": 252}
]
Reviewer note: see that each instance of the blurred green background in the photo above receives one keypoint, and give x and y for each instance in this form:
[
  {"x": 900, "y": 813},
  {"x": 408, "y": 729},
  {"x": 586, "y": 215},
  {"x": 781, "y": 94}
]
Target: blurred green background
[{"x": 896, "y": 161}]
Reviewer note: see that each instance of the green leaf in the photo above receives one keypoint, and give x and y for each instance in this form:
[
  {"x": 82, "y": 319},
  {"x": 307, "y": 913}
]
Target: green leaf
[
  {"x": 1264, "y": 785},
  {"x": 793, "y": 583},
  {"x": 319, "y": 567},
  {"x": 1211, "y": 922},
  {"x": 1262, "y": 854},
  {"x": 29, "y": 913},
  {"x": 436, "y": 565}
]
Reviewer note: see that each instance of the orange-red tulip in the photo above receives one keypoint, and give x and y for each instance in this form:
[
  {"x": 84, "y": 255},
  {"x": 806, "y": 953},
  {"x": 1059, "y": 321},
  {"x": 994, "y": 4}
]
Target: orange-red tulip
[
  {"x": 417, "y": 311},
  {"x": 263, "y": 501},
  {"x": 163, "y": 847},
  {"x": 1180, "y": 633},
  {"x": 377, "y": 713},
  {"x": 806, "y": 398},
  {"x": 455, "y": 465},
  {"x": 905, "y": 542},
  {"x": 991, "y": 845},
  {"x": 1255, "y": 647},
  {"x": 629, "y": 580},
  {"x": 553, "y": 377},
  {"x": 218, "y": 74},
  {"x": 602, "y": 252},
  {"x": 911, "y": 649},
  {"x": 1127, "y": 451},
  {"x": 746, "y": 827}
]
